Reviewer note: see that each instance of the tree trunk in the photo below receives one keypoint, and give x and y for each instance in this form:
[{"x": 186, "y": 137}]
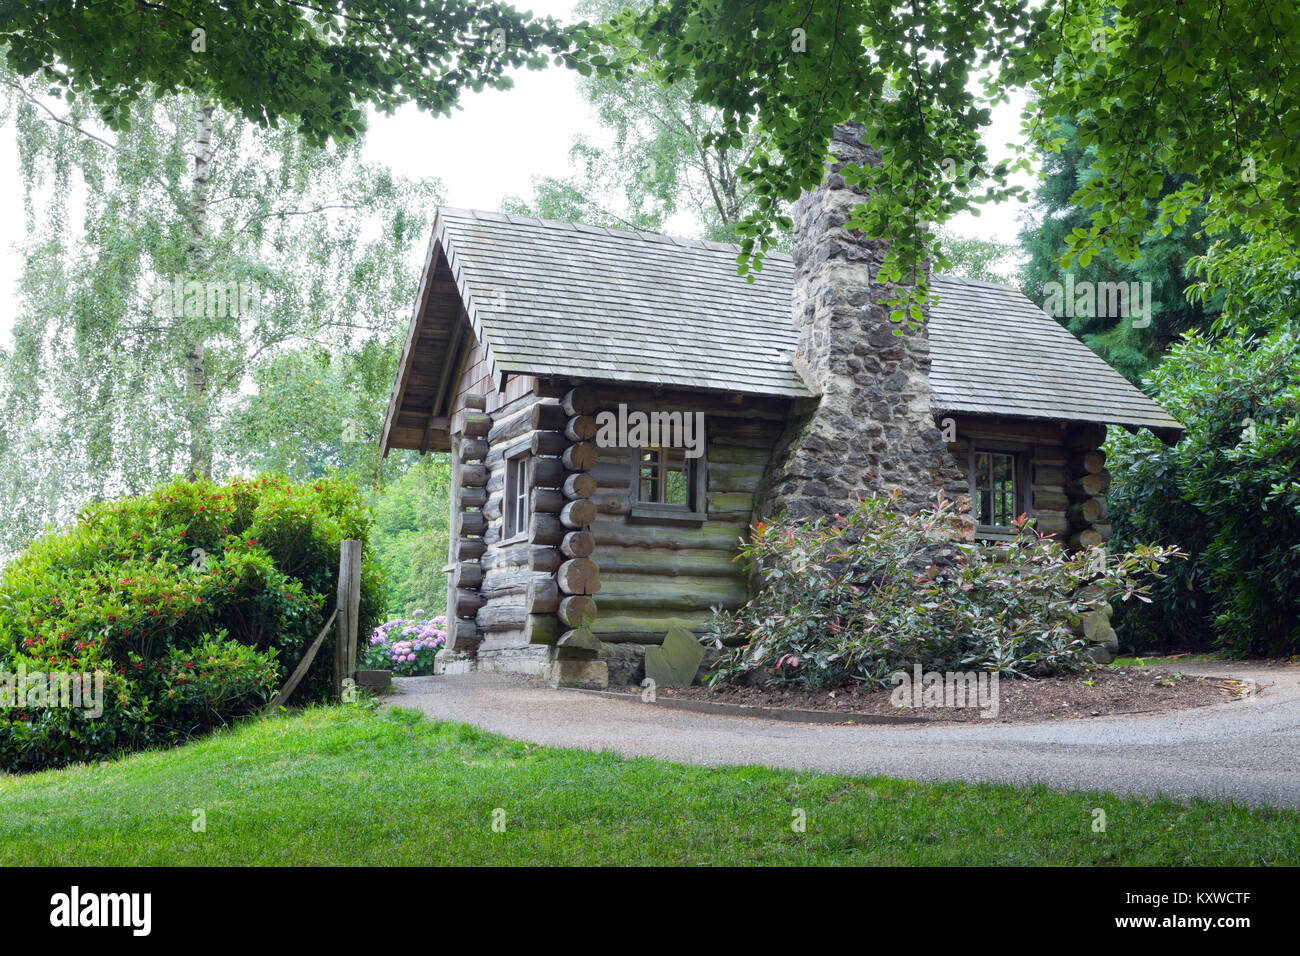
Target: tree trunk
[{"x": 199, "y": 415}]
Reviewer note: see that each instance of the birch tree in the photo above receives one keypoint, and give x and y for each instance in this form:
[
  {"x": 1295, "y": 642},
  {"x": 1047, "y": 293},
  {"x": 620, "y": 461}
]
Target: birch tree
[{"x": 171, "y": 272}]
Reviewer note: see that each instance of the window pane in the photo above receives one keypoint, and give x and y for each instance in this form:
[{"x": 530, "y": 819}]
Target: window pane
[
  {"x": 677, "y": 489},
  {"x": 995, "y": 488},
  {"x": 516, "y": 496},
  {"x": 664, "y": 476}
]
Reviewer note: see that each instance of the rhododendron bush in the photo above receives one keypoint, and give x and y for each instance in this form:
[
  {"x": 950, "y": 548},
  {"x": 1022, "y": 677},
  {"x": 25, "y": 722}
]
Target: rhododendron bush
[
  {"x": 193, "y": 603},
  {"x": 876, "y": 591}
]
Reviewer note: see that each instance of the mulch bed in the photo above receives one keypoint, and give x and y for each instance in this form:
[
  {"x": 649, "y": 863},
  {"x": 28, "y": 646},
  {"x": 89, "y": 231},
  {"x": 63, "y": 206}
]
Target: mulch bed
[{"x": 1099, "y": 693}]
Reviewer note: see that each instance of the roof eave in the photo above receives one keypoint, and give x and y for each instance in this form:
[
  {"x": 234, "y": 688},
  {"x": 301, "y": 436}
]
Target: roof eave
[{"x": 439, "y": 244}]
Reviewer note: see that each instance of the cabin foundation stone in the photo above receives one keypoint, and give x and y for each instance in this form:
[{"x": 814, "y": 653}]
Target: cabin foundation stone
[{"x": 591, "y": 674}]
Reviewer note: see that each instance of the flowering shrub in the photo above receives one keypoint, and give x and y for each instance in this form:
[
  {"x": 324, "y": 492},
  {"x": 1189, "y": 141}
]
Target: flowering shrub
[
  {"x": 194, "y": 602},
  {"x": 876, "y": 591},
  {"x": 406, "y": 647}
]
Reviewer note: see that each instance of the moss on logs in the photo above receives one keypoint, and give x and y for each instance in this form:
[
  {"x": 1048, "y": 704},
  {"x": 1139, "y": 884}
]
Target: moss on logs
[{"x": 577, "y": 610}]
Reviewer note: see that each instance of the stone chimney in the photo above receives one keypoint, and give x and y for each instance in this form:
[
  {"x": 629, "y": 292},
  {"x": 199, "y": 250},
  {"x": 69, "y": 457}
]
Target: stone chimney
[{"x": 871, "y": 430}]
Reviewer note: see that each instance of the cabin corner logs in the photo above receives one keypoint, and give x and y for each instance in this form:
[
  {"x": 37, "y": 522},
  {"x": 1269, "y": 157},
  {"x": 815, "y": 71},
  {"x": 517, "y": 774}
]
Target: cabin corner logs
[
  {"x": 589, "y": 584},
  {"x": 469, "y": 524}
]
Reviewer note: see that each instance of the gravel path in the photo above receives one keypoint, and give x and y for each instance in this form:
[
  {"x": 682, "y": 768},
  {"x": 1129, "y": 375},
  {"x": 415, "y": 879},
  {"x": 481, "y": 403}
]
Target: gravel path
[{"x": 1247, "y": 750}]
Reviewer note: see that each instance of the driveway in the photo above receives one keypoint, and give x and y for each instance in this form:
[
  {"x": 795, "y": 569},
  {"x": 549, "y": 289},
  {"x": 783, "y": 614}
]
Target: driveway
[{"x": 1247, "y": 750}]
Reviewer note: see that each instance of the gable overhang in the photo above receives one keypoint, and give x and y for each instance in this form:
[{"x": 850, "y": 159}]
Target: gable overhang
[{"x": 444, "y": 328}]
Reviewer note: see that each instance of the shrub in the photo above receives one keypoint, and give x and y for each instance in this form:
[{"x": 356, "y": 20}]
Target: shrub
[
  {"x": 194, "y": 602},
  {"x": 1228, "y": 494},
  {"x": 876, "y": 591},
  {"x": 407, "y": 647}
]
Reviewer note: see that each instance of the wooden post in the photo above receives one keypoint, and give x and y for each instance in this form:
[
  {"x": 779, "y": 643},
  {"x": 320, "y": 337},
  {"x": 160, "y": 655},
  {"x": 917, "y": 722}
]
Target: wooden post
[{"x": 348, "y": 622}]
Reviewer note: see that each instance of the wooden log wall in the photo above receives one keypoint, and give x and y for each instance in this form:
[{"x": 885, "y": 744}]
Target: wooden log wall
[
  {"x": 1046, "y": 470},
  {"x": 1087, "y": 484},
  {"x": 471, "y": 450},
  {"x": 561, "y": 607},
  {"x": 656, "y": 574},
  {"x": 1068, "y": 485},
  {"x": 511, "y": 567}
]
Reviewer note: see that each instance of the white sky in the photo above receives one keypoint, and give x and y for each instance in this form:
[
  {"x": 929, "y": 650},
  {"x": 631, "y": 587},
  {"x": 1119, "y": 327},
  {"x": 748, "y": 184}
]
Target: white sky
[{"x": 482, "y": 153}]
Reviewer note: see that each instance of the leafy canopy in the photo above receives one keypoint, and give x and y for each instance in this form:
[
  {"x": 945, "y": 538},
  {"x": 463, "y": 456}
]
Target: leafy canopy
[
  {"x": 1128, "y": 343},
  {"x": 314, "y": 63},
  {"x": 96, "y": 392},
  {"x": 1191, "y": 90}
]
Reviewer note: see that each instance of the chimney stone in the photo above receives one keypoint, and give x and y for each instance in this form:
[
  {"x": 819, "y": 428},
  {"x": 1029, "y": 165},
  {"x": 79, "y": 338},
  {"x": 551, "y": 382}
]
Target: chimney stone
[{"x": 871, "y": 430}]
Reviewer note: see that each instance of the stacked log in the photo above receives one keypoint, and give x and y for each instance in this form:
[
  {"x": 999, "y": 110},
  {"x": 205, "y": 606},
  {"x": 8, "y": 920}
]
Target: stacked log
[
  {"x": 1086, "y": 486},
  {"x": 471, "y": 525},
  {"x": 545, "y": 531},
  {"x": 1090, "y": 526},
  {"x": 509, "y": 569},
  {"x": 578, "y": 577},
  {"x": 1047, "y": 493},
  {"x": 656, "y": 575}
]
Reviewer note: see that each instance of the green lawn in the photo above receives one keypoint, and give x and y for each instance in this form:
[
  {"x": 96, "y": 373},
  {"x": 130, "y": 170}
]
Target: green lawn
[{"x": 345, "y": 785}]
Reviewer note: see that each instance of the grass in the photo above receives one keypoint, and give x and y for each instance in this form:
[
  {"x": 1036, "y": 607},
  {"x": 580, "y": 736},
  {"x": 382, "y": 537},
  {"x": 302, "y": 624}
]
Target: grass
[{"x": 344, "y": 785}]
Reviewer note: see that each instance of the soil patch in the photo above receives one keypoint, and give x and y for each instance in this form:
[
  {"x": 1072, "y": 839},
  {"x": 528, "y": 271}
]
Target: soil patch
[{"x": 1100, "y": 693}]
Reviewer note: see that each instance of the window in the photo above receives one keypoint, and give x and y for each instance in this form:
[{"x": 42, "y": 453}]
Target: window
[
  {"x": 515, "y": 497},
  {"x": 667, "y": 485},
  {"x": 995, "y": 488},
  {"x": 664, "y": 476}
]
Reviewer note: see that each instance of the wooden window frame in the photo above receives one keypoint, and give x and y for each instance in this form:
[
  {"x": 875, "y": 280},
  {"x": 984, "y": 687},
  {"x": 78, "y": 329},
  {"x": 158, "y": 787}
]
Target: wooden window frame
[
  {"x": 696, "y": 512},
  {"x": 517, "y": 460},
  {"x": 1021, "y": 455}
]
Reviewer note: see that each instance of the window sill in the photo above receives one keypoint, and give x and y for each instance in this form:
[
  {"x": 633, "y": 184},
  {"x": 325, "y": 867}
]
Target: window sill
[
  {"x": 520, "y": 538},
  {"x": 645, "y": 514}
]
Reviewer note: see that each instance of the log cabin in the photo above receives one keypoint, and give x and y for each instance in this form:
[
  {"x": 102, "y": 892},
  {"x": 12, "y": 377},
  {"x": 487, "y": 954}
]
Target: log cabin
[{"x": 571, "y": 553}]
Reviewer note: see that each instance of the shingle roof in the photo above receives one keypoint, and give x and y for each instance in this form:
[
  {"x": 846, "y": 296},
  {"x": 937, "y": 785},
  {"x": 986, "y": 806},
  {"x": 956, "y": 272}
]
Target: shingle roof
[
  {"x": 570, "y": 300},
  {"x": 993, "y": 352},
  {"x": 566, "y": 299}
]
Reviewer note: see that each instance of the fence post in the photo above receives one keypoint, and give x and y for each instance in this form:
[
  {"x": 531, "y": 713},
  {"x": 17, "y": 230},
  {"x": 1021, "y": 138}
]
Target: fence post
[{"x": 349, "y": 600}]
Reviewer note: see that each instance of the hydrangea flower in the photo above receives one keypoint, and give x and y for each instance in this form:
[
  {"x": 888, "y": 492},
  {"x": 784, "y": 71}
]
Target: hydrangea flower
[{"x": 407, "y": 646}]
